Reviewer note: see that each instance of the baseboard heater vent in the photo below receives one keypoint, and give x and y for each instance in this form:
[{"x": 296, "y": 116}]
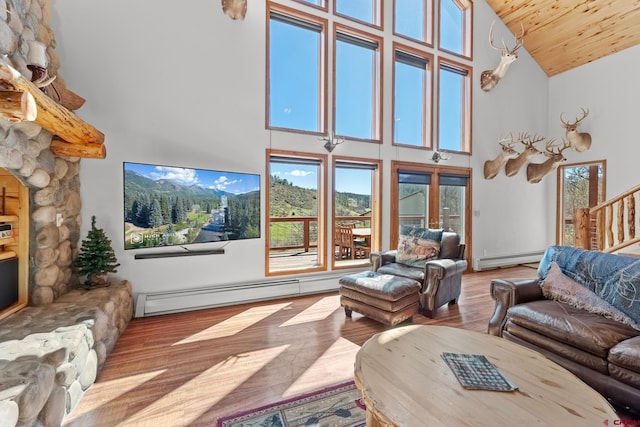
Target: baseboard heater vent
[
  {"x": 487, "y": 263},
  {"x": 149, "y": 304}
]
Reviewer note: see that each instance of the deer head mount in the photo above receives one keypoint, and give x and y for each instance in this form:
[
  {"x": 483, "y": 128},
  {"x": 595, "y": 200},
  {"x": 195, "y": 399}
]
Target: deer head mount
[
  {"x": 490, "y": 78},
  {"x": 537, "y": 171},
  {"x": 492, "y": 167},
  {"x": 235, "y": 9},
  {"x": 579, "y": 141},
  {"x": 514, "y": 165}
]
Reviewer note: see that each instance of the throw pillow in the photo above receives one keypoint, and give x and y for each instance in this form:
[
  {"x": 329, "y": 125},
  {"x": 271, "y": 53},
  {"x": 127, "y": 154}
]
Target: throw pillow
[
  {"x": 415, "y": 251},
  {"x": 423, "y": 233},
  {"x": 557, "y": 286}
]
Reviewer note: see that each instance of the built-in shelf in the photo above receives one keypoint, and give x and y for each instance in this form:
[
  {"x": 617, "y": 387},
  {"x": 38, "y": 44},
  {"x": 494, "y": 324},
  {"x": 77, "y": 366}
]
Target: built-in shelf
[
  {"x": 7, "y": 241},
  {"x": 8, "y": 218},
  {"x": 7, "y": 255},
  {"x": 149, "y": 255}
]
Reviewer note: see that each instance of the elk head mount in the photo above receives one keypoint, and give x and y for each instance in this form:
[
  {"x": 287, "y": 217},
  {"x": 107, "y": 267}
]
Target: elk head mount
[
  {"x": 537, "y": 171},
  {"x": 579, "y": 141},
  {"x": 492, "y": 167},
  {"x": 514, "y": 165},
  {"x": 235, "y": 9},
  {"x": 490, "y": 78}
]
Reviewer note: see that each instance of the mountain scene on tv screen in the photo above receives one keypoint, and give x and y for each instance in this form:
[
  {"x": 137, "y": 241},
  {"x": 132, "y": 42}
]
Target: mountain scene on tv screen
[{"x": 166, "y": 212}]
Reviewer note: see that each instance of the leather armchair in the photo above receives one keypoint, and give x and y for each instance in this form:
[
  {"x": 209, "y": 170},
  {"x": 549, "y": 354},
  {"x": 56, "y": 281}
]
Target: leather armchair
[{"x": 440, "y": 279}]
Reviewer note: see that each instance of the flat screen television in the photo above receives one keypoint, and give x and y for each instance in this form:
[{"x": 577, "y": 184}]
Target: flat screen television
[{"x": 174, "y": 206}]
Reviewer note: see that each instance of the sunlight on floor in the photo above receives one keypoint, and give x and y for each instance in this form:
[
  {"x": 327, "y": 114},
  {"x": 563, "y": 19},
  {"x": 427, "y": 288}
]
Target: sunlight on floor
[
  {"x": 235, "y": 324},
  {"x": 114, "y": 389},
  {"x": 334, "y": 366},
  {"x": 225, "y": 375},
  {"x": 318, "y": 311}
]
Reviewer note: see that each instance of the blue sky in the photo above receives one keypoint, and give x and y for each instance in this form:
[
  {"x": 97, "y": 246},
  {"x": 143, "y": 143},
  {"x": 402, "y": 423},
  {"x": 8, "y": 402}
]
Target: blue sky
[{"x": 231, "y": 182}]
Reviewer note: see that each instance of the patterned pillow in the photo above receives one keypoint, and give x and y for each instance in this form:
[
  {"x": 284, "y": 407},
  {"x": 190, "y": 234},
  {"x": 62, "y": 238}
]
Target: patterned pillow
[{"x": 415, "y": 251}]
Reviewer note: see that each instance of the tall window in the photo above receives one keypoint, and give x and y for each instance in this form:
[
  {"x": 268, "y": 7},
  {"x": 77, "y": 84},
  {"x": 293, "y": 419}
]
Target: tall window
[
  {"x": 454, "y": 109},
  {"x": 455, "y": 26},
  {"x": 413, "y": 19},
  {"x": 296, "y": 69},
  {"x": 357, "y": 85},
  {"x": 412, "y": 98},
  {"x": 295, "y": 206},
  {"x": 356, "y": 206},
  {"x": 367, "y": 11},
  {"x": 580, "y": 185}
]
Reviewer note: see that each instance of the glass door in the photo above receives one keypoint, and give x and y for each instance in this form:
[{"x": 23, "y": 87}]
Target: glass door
[{"x": 580, "y": 185}]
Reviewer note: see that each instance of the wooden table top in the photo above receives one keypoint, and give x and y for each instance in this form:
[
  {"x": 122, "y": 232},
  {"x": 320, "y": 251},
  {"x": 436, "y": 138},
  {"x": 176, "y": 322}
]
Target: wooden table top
[{"x": 405, "y": 382}]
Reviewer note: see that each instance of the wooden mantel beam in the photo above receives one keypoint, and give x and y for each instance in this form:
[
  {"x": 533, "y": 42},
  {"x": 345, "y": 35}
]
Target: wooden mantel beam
[
  {"x": 86, "y": 151},
  {"x": 52, "y": 116}
]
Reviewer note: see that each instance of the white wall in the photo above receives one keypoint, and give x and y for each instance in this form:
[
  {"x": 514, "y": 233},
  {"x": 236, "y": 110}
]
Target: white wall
[
  {"x": 609, "y": 88},
  {"x": 182, "y": 84}
]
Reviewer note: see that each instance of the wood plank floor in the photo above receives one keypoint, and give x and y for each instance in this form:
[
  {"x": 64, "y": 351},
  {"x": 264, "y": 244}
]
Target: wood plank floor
[{"x": 189, "y": 369}]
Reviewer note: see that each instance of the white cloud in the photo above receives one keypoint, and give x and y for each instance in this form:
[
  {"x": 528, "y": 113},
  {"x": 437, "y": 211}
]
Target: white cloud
[{"x": 182, "y": 175}]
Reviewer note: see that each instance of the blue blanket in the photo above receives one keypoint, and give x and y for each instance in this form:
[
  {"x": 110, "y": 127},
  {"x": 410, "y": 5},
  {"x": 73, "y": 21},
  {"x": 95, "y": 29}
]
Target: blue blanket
[{"x": 614, "y": 278}]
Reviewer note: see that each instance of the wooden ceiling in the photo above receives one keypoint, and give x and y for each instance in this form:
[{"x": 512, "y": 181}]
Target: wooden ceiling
[{"x": 564, "y": 34}]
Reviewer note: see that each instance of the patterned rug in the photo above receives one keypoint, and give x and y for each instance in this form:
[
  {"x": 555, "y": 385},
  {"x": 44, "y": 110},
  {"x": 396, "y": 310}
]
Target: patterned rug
[{"x": 339, "y": 405}]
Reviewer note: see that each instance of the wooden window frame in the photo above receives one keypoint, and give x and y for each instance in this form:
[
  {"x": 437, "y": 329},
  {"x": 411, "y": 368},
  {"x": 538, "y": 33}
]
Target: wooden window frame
[
  {"x": 376, "y": 205},
  {"x": 466, "y": 6},
  {"x": 322, "y": 210},
  {"x": 428, "y": 23},
  {"x": 377, "y": 112},
  {"x": 427, "y": 125},
  {"x": 465, "y": 102},
  {"x": 322, "y": 73}
]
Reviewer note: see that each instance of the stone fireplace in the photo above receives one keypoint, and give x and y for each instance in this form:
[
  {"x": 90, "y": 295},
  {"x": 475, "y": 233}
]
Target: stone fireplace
[{"x": 56, "y": 337}]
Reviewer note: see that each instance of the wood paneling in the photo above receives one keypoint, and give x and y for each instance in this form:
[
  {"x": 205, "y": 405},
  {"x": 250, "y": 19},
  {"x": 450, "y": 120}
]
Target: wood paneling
[
  {"x": 564, "y": 34},
  {"x": 192, "y": 368}
]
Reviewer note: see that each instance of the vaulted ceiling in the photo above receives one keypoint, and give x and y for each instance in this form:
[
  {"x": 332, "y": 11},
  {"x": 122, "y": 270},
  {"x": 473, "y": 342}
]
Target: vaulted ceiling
[{"x": 564, "y": 34}]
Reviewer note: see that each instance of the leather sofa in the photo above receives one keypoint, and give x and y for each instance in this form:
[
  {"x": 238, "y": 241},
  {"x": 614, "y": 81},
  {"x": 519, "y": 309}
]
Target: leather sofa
[
  {"x": 441, "y": 277},
  {"x": 603, "y": 352}
]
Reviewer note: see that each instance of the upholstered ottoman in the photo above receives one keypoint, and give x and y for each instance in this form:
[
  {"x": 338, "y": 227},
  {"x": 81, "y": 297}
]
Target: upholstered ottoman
[{"x": 382, "y": 297}]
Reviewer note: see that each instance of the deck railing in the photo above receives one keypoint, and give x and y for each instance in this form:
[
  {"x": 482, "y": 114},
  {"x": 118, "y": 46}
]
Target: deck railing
[
  {"x": 301, "y": 233},
  {"x": 609, "y": 226}
]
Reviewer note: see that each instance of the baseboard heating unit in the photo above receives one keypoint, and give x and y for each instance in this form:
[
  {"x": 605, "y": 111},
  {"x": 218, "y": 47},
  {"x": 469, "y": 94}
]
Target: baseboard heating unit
[
  {"x": 488, "y": 263},
  {"x": 149, "y": 304}
]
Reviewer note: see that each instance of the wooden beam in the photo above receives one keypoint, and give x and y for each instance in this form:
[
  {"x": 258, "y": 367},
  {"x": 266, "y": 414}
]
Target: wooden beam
[
  {"x": 50, "y": 115},
  {"x": 17, "y": 106},
  {"x": 88, "y": 150}
]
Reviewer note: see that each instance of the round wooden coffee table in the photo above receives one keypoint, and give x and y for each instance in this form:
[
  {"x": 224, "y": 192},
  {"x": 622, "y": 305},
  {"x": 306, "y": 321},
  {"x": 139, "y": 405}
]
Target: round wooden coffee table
[{"x": 405, "y": 382}]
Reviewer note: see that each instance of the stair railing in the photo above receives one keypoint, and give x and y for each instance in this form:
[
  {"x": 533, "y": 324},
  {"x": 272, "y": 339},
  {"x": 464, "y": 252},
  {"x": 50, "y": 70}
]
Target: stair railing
[{"x": 609, "y": 226}]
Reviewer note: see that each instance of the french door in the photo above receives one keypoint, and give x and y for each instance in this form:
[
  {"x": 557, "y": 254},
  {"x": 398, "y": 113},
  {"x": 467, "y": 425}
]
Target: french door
[{"x": 430, "y": 197}]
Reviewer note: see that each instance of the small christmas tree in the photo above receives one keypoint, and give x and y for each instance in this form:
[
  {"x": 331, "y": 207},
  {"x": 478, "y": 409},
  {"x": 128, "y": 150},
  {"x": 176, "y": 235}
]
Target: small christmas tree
[{"x": 96, "y": 257}]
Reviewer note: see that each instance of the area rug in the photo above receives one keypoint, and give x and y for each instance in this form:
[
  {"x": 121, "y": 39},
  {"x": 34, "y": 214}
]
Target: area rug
[{"x": 339, "y": 405}]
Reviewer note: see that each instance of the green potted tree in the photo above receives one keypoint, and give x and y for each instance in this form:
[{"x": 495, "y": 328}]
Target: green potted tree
[{"x": 96, "y": 258}]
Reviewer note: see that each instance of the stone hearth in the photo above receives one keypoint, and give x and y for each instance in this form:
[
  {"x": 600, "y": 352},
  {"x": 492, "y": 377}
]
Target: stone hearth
[{"x": 49, "y": 355}]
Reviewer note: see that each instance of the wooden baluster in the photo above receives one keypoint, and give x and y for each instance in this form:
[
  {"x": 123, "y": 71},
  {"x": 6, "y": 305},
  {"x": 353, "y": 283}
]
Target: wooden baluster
[
  {"x": 620, "y": 224},
  {"x": 631, "y": 216},
  {"x": 608, "y": 227}
]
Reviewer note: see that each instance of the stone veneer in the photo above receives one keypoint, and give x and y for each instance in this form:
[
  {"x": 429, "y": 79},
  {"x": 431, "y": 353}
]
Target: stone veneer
[
  {"x": 53, "y": 181},
  {"x": 50, "y": 351}
]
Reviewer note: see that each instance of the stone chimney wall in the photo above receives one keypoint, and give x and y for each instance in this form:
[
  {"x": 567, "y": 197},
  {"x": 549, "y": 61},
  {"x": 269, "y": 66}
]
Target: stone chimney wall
[{"x": 53, "y": 181}]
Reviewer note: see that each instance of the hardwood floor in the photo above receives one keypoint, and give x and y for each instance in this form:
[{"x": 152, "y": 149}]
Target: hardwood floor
[{"x": 193, "y": 368}]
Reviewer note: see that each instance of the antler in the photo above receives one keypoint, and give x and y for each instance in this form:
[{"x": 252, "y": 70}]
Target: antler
[
  {"x": 575, "y": 124},
  {"x": 551, "y": 145},
  {"x": 529, "y": 141},
  {"x": 504, "y": 50}
]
